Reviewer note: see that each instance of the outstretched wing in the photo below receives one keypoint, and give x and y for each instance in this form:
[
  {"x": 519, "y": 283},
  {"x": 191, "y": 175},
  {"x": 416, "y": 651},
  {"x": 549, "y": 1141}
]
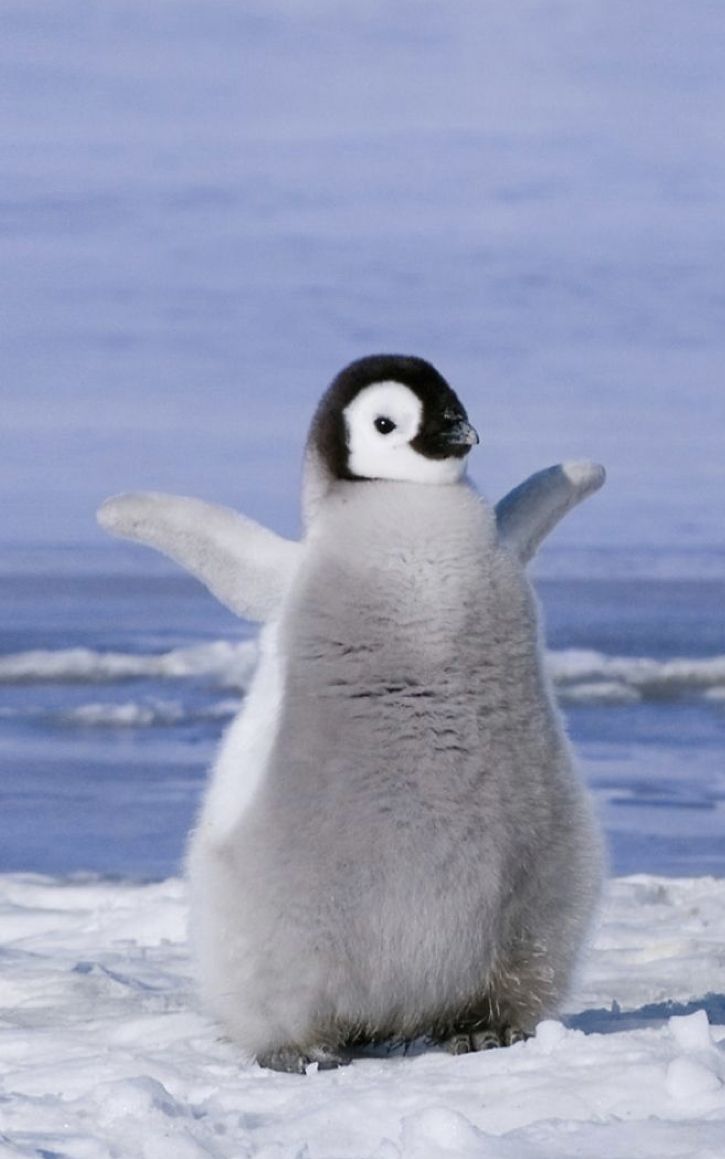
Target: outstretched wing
[
  {"x": 528, "y": 513},
  {"x": 247, "y": 567}
]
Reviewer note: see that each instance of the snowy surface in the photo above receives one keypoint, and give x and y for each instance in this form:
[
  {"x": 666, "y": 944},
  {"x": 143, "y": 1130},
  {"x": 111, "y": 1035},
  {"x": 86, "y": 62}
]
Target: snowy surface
[{"x": 103, "y": 1052}]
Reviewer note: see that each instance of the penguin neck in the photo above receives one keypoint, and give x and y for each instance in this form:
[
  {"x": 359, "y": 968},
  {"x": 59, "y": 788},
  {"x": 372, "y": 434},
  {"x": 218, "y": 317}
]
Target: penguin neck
[
  {"x": 379, "y": 515},
  {"x": 322, "y": 492},
  {"x": 317, "y": 480}
]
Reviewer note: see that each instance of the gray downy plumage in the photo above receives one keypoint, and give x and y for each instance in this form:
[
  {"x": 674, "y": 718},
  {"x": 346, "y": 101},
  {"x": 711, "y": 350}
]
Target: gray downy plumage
[{"x": 395, "y": 842}]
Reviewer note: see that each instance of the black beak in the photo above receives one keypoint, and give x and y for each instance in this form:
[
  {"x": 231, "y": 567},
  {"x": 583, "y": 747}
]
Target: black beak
[{"x": 460, "y": 434}]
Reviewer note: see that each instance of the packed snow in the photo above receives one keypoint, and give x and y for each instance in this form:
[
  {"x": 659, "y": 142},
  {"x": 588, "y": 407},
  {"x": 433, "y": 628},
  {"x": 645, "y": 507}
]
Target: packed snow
[{"x": 104, "y": 1053}]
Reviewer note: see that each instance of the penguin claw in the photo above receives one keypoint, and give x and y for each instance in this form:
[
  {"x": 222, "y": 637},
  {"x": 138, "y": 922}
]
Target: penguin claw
[
  {"x": 491, "y": 1039},
  {"x": 459, "y": 1044},
  {"x": 486, "y": 1040},
  {"x": 512, "y": 1035},
  {"x": 291, "y": 1061},
  {"x": 327, "y": 1058},
  {"x": 464, "y": 1042},
  {"x": 287, "y": 1061},
  {"x": 331, "y": 1062}
]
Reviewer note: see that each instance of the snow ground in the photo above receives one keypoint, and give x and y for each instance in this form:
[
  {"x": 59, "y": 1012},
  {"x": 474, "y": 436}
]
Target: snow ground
[{"x": 104, "y": 1054}]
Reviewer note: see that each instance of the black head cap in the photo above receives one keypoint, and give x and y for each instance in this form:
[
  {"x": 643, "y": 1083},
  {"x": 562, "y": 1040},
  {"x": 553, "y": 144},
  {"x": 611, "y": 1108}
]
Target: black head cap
[{"x": 444, "y": 431}]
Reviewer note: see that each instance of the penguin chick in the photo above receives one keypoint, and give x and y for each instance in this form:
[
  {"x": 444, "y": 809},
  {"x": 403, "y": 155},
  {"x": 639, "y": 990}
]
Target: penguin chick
[{"x": 394, "y": 842}]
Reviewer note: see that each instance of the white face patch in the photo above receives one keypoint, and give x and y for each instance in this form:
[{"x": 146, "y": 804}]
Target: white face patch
[{"x": 379, "y": 450}]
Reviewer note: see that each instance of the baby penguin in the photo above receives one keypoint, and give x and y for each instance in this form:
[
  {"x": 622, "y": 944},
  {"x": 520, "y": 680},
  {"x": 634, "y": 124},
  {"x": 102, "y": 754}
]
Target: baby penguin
[{"x": 394, "y": 842}]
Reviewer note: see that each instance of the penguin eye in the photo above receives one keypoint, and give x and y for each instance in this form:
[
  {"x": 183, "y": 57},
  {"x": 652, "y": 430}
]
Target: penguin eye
[{"x": 385, "y": 426}]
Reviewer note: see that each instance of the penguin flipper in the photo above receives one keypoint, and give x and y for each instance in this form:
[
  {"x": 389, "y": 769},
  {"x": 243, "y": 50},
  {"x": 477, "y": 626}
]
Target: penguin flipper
[
  {"x": 246, "y": 566},
  {"x": 528, "y": 513}
]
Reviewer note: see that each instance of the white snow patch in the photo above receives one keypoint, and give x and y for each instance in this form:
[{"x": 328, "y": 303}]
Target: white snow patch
[
  {"x": 687, "y": 1078},
  {"x": 229, "y": 664},
  {"x": 692, "y": 1032},
  {"x": 584, "y": 674},
  {"x": 598, "y": 692},
  {"x": 155, "y": 712},
  {"x": 104, "y": 1052},
  {"x": 129, "y": 714}
]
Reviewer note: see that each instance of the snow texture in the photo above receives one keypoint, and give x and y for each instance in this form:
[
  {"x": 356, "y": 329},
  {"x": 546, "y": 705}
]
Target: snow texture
[{"x": 104, "y": 1054}]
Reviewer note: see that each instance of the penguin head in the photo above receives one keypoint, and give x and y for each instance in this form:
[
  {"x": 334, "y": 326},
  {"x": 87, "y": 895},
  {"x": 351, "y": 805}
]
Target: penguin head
[{"x": 391, "y": 417}]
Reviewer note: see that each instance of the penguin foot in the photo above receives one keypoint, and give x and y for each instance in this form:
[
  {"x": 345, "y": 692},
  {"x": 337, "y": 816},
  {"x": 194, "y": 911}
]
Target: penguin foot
[
  {"x": 488, "y": 1039},
  {"x": 513, "y": 1034},
  {"x": 327, "y": 1059},
  {"x": 459, "y": 1044},
  {"x": 288, "y": 1060}
]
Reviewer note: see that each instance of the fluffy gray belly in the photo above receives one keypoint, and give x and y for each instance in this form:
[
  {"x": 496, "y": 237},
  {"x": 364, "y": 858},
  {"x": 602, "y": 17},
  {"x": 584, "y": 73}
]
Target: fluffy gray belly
[{"x": 410, "y": 790}]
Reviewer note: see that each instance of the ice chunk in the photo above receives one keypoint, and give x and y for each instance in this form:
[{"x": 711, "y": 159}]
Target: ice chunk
[
  {"x": 688, "y": 1077},
  {"x": 691, "y": 1031},
  {"x": 441, "y": 1128},
  {"x": 549, "y": 1035}
]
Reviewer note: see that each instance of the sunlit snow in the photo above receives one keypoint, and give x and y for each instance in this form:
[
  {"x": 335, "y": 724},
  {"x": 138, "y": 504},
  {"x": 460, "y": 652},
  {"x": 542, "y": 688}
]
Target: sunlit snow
[{"x": 103, "y": 1052}]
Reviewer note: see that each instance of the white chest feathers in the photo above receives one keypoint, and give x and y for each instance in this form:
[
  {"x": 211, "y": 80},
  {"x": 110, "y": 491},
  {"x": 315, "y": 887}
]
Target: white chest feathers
[
  {"x": 247, "y": 746},
  {"x": 376, "y": 554}
]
